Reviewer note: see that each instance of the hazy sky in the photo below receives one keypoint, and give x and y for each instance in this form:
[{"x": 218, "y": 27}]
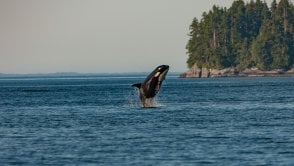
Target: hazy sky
[{"x": 93, "y": 36}]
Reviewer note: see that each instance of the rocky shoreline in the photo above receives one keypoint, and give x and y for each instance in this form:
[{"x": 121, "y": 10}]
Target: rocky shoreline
[{"x": 196, "y": 72}]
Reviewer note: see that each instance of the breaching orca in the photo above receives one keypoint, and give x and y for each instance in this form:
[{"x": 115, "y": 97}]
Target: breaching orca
[{"x": 151, "y": 85}]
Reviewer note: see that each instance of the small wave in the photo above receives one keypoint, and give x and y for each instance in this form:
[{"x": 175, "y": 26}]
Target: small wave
[{"x": 35, "y": 90}]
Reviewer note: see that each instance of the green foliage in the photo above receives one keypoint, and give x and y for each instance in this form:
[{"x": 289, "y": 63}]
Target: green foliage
[{"x": 245, "y": 35}]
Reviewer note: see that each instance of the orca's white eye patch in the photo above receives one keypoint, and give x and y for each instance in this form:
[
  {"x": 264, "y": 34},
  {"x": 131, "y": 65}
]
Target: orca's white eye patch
[{"x": 157, "y": 74}]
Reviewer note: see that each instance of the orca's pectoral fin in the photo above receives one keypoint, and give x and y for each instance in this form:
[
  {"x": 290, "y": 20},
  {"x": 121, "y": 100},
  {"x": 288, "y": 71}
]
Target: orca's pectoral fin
[{"x": 138, "y": 85}]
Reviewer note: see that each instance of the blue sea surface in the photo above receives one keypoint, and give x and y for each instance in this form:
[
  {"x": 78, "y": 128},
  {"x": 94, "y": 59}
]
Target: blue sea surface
[{"x": 98, "y": 120}]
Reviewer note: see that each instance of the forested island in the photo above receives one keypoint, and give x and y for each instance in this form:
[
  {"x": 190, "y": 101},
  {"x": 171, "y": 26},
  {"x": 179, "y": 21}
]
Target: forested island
[{"x": 246, "y": 39}]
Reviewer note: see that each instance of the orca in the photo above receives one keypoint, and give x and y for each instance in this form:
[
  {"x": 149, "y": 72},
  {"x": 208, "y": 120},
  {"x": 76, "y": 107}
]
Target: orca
[{"x": 151, "y": 85}]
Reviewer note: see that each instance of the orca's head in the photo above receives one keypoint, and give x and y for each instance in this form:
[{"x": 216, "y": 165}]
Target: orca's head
[
  {"x": 161, "y": 72},
  {"x": 162, "y": 68}
]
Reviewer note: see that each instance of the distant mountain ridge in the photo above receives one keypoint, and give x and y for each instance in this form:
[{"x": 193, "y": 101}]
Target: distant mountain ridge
[
  {"x": 42, "y": 74},
  {"x": 76, "y": 74}
]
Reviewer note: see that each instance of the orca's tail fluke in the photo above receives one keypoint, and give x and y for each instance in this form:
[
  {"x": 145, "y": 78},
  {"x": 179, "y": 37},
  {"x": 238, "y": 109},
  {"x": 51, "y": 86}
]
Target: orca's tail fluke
[{"x": 138, "y": 85}]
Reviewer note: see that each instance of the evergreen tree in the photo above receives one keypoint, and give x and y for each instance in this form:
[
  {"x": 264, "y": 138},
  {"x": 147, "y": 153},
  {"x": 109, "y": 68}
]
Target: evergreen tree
[
  {"x": 192, "y": 46},
  {"x": 244, "y": 35}
]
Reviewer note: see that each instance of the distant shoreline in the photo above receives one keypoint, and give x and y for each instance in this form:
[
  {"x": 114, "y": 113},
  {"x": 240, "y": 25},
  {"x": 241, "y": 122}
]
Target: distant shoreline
[{"x": 76, "y": 74}]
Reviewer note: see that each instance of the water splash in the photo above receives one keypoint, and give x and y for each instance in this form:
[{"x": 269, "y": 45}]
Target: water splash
[
  {"x": 133, "y": 100},
  {"x": 158, "y": 102},
  {"x": 154, "y": 103}
]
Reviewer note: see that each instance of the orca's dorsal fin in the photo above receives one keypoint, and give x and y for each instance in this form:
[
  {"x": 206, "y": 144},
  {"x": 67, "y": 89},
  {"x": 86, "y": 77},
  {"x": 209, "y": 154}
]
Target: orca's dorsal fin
[{"x": 138, "y": 85}]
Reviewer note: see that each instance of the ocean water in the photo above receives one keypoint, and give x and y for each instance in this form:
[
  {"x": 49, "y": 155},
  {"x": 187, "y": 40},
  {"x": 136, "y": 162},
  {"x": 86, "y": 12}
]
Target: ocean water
[{"x": 98, "y": 120}]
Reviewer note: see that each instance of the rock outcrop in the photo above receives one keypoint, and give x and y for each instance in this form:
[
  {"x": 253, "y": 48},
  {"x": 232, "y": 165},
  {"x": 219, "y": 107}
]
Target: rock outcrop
[{"x": 196, "y": 72}]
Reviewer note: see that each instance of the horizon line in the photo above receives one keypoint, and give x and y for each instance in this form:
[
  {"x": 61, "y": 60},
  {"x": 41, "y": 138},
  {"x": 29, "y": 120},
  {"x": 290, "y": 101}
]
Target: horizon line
[{"x": 78, "y": 73}]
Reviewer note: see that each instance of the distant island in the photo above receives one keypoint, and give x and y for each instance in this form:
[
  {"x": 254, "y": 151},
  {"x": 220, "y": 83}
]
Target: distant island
[
  {"x": 246, "y": 39},
  {"x": 58, "y": 74}
]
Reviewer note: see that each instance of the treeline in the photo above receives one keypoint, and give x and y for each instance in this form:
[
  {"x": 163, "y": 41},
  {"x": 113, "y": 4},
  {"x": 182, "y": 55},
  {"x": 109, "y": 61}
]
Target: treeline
[{"x": 245, "y": 35}]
